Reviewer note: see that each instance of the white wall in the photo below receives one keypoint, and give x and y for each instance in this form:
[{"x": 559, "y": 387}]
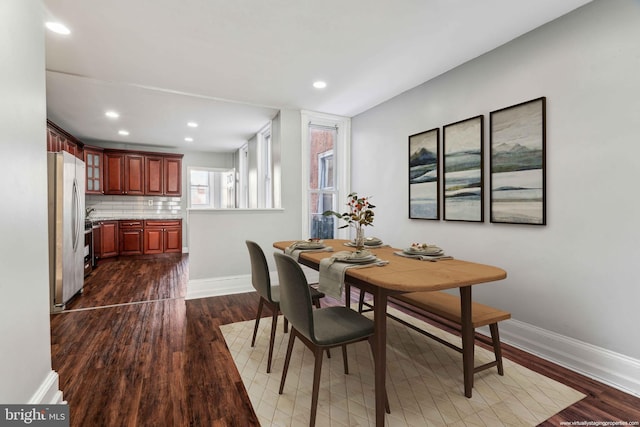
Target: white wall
[
  {"x": 217, "y": 237},
  {"x": 25, "y": 349},
  {"x": 578, "y": 275}
]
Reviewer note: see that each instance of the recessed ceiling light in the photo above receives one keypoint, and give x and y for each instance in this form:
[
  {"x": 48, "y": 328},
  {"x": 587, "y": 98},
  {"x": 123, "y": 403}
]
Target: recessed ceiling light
[
  {"x": 319, "y": 84},
  {"x": 123, "y": 132},
  {"x": 112, "y": 114},
  {"x": 192, "y": 124},
  {"x": 188, "y": 139},
  {"x": 58, "y": 27}
]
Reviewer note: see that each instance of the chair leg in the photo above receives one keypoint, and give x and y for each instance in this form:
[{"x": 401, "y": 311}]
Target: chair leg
[
  {"x": 317, "y": 370},
  {"x": 345, "y": 360},
  {"x": 497, "y": 349},
  {"x": 255, "y": 328},
  {"x": 286, "y": 325},
  {"x": 287, "y": 359},
  {"x": 361, "y": 301},
  {"x": 274, "y": 323}
]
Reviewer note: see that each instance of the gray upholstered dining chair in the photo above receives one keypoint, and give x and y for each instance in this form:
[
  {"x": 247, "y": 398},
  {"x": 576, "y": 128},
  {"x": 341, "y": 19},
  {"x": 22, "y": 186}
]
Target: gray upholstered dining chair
[
  {"x": 269, "y": 295},
  {"x": 319, "y": 329}
]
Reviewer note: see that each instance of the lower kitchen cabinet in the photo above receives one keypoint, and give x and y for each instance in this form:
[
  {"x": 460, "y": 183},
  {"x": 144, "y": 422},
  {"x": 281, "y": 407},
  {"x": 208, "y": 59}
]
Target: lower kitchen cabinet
[
  {"x": 131, "y": 237},
  {"x": 108, "y": 246},
  {"x": 162, "y": 236}
]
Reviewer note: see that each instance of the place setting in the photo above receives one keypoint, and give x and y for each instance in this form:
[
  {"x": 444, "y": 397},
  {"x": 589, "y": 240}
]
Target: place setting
[
  {"x": 369, "y": 242},
  {"x": 423, "y": 252},
  {"x": 308, "y": 245},
  {"x": 333, "y": 269}
]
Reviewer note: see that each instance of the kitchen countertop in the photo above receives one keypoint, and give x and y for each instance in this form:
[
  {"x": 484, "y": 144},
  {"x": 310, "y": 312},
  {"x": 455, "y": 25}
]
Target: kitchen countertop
[{"x": 132, "y": 218}]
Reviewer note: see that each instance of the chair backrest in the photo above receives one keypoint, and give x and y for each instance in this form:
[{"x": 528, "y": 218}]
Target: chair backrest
[
  {"x": 259, "y": 270},
  {"x": 295, "y": 296}
]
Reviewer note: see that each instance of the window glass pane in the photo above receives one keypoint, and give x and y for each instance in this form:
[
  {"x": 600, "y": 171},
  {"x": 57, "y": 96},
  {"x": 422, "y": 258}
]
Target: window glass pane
[
  {"x": 322, "y": 140},
  {"x": 321, "y": 226},
  {"x": 199, "y": 196},
  {"x": 199, "y": 177}
]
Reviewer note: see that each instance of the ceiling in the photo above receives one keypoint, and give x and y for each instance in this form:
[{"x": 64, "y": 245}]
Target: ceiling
[{"x": 230, "y": 65}]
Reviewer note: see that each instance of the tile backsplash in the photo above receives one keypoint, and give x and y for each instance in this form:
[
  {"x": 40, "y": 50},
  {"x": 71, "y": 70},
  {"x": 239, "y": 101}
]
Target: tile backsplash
[{"x": 133, "y": 207}]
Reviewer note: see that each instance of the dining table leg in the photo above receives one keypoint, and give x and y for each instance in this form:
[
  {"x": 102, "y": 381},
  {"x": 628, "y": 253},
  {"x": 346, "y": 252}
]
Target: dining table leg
[
  {"x": 380, "y": 352},
  {"x": 467, "y": 339}
]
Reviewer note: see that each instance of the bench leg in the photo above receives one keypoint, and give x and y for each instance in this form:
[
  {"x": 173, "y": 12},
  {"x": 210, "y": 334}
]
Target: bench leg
[{"x": 497, "y": 350}]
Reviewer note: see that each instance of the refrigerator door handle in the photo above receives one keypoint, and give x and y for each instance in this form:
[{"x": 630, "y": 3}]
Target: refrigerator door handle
[{"x": 75, "y": 215}]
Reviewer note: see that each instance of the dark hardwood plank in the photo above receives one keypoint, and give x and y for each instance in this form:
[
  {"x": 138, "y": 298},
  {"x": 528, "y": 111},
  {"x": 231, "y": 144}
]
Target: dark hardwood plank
[{"x": 134, "y": 353}]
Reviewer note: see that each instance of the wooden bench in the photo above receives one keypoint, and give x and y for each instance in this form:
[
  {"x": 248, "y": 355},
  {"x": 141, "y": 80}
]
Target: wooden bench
[{"x": 437, "y": 306}]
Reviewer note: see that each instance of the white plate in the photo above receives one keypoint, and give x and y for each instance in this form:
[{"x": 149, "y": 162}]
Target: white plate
[
  {"x": 357, "y": 260},
  {"x": 366, "y": 245}
]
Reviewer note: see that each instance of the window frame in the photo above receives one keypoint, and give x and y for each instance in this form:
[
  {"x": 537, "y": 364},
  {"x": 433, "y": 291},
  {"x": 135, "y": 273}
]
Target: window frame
[
  {"x": 211, "y": 185},
  {"x": 341, "y": 159}
]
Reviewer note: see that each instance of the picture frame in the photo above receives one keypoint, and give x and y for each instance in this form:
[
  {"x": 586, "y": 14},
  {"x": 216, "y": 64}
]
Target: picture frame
[
  {"x": 424, "y": 177},
  {"x": 463, "y": 170},
  {"x": 518, "y": 163}
]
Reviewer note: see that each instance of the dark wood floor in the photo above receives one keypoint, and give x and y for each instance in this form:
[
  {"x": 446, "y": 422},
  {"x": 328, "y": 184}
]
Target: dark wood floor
[{"x": 130, "y": 351}]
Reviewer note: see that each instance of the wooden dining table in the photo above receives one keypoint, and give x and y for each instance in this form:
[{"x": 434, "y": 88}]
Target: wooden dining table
[{"x": 403, "y": 275}]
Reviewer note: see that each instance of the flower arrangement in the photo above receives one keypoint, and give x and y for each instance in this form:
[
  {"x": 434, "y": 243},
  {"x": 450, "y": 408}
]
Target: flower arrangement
[{"x": 360, "y": 214}]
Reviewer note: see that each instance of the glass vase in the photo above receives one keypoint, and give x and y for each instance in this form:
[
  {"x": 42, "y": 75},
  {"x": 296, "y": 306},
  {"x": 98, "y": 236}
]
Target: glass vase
[{"x": 359, "y": 240}]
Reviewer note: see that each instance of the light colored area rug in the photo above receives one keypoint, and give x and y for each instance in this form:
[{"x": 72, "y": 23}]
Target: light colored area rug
[{"x": 424, "y": 383}]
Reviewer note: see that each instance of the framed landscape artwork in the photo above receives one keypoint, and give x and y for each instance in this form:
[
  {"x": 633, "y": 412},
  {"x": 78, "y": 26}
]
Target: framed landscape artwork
[
  {"x": 424, "y": 182},
  {"x": 518, "y": 163},
  {"x": 463, "y": 170}
]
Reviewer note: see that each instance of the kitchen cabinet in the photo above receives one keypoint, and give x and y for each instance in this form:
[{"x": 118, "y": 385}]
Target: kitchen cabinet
[
  {"x": 113, "y": 173},
  {"x": 134, "y": 174},
  {"x": 173, "y": 176},
  {"x": 162, "y": 236},
  {"x": 163, "y": 175},
  {"x": 153, "y": 180},
  {"x": 123, "y": 173},
  {"x": 60, "y": 140},
  {"x": 108, "y": 239},
  {"x": 131, "y": 237},
  {"x": 138, "y": 173},
  {"x": 93, "y": 171}
]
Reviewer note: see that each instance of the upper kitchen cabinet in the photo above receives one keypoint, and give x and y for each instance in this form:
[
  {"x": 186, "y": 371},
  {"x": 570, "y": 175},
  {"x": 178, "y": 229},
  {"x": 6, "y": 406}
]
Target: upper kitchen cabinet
[
  {"x": 134, "y": 174},
  {"x": 153, "y": 182},
  {"x": 142, "y": 173},
  {"x": 163, "y": 175},
  {"x": 173, "y": 176},
  {"x": 93, "y": 164},
  {"x": 123, "y": 173},
  {"x": 60, "y": 140}
]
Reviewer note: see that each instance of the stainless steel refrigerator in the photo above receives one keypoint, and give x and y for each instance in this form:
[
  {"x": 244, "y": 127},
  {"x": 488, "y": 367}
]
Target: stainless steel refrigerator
[{"x": 66, "y": 227}]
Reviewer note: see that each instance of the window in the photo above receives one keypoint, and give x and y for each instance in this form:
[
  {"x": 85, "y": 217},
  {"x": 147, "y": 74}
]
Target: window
[
  {"x": 265, "y": 199},
  {"x": 325, "y": 163},
  {"x": 212, "y": 188}
]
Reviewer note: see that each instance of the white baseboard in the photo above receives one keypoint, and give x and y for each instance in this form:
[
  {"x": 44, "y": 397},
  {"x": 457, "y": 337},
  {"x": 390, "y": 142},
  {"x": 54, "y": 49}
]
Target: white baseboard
[
  {"x": 48, "y": 392},
  {"x": 217, "y": 286},
  {"x": 608, "y": 367}
]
